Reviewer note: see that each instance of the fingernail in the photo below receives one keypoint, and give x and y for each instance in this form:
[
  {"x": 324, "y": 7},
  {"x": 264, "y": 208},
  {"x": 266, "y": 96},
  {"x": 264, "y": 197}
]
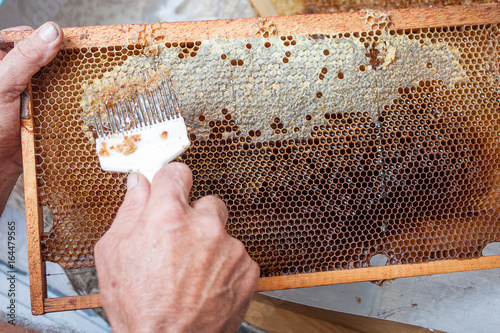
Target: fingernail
[
  {"x": 48, "y": 32},
  {"x": 132, "y": 180}
]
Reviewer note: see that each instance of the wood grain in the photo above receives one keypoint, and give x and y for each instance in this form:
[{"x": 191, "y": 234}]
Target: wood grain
[
  {"x": 316, "y": 279},
  {"x": 34, "y": 217},
  {"x": 72, "y": 303},
  {"x": 98, "y": 36},
  {"x": 275, "y": 315},
  {"x": 376, "y": 273}
]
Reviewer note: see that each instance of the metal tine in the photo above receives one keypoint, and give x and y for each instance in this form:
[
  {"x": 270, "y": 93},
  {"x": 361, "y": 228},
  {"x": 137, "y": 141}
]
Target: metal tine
[
  {"x": 98, "y": 130},
  {"x": 116, "y": 118},
  {"x": 162, "y": 101},
  {"x": 102, "y": 125},
  {"x": 137, "y": 122},
  {"x": 167, "y": 105},
  {"x": 147, "y": 107},
  {"x": 158, "y": 105},
  {"x": 142, "y": 110},
  {"x": 111, "y": 120},
  {"x": 168, "y": 96},
  {"x": 155, "y": 109},
  {"x": 126, "y": 106},
  {"x": 137, "y": 112},
  {"x": 147, "y": 102},
  {"x": 123, "y": 119}
]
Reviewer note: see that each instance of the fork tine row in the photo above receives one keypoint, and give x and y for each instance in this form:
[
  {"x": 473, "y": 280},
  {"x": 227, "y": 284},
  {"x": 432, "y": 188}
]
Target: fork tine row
[{"x": 139, "y": 111}]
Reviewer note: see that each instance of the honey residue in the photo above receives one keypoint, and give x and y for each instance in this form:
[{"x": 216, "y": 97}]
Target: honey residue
[
  {"x": 113, "y": 89},
  {"x": 128, "y": 146},
  {"x": 103, "y": 151}
]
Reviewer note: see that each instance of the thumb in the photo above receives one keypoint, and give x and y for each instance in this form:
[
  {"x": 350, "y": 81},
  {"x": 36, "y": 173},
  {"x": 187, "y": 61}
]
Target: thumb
[
  {"x": 26, "y": 59},
  {"x": 138, "y": 190}
]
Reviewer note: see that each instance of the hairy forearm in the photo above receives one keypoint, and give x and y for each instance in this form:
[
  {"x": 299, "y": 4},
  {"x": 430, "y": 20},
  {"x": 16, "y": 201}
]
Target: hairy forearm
[{"x": 9, "y": 173}]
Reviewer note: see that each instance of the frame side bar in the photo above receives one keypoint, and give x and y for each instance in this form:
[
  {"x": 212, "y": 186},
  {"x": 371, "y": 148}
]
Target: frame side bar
[
  {"x": 376, "y": 273},
  {"x": 34, "y": 217},
  {"x": 72, "y": 303}
]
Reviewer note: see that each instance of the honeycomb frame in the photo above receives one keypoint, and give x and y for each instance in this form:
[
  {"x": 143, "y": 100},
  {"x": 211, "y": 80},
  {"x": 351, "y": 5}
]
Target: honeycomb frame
[{"x": 125, "y": 35}]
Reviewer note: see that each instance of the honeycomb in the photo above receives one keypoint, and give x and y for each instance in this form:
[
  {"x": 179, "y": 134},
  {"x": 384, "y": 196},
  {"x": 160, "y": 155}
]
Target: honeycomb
[
  {"x": 326, "y": 148},
  {"x": 294, "y": 7}
]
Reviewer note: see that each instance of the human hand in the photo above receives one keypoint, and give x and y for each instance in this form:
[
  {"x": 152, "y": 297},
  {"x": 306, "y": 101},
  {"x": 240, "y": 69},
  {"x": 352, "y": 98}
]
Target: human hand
[
  {"x": 166, "y": 265},
  {"x": 16, "y": 68}
]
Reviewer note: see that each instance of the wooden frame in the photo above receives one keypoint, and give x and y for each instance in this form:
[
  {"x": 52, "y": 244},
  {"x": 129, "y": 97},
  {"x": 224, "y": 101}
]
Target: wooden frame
[
  {"x": 276, "y": 315},
  {"x": 188, "y": 31}
]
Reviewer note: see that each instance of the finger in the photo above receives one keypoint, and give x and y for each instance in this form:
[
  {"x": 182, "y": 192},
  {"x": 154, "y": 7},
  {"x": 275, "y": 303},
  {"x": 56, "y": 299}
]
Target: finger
[
  {"x": 211, "y": 205},
  {"x": 171, "y": 185},
  {"x": 138, "y": 191},
  {"x": 26, "y": 59},
  {"x": 6, "y": 48}
]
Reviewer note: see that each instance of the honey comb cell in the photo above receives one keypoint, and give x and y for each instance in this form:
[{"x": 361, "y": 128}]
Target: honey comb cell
[{"x": 355, "y": 146}]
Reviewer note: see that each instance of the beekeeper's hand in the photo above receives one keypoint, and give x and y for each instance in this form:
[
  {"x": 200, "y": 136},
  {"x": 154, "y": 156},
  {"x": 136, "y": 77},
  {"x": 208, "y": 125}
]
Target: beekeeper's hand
[
  {"x": 169, "y": 266},
  {"x": 16, "y": 68}
]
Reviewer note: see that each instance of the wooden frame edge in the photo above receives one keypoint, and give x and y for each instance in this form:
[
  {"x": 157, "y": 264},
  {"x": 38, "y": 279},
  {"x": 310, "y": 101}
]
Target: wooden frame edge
[
  {"x": 72, "y": 303},
  {"x": 315, "y": 279},
  {"x": 409, "y": 18},
  {"x": 376, "y": 273},
  {"x": 34, "y": 217}
]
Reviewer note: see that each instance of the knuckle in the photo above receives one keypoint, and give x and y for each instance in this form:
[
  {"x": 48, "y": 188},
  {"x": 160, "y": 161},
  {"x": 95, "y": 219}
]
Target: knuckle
[
  {"x": 214, "y": 231},
  {"x": 175, "y": 170},
  {"x": 243, "y": 258},
  {"x": 178, "y": 167},
  {"x": 177, "y": 211},
  {"x": 239, "y": 249},
  {"x": 254, "y": 269},
  {"x": 213, "y": 205},
  {"x": 213, "y": 200}
]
